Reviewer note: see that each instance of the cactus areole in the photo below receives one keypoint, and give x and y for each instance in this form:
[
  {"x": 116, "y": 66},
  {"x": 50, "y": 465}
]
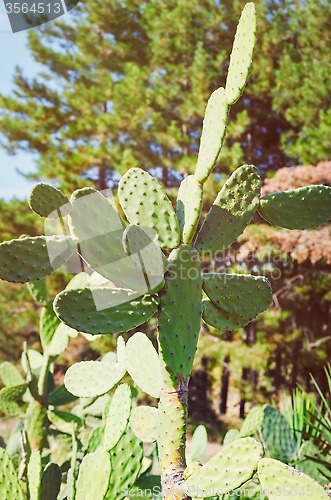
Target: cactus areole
[{"x": 134, "y": 280}]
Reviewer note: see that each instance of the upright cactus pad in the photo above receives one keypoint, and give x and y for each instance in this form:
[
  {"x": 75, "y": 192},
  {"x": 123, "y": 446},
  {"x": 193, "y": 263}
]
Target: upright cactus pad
[
  {"x": 10, "y": 488},
  {"x": 213, "y": 134},
  {"x": 36, "y": 424},
  {"x": 89, "y": 379},
  {"x": 118, "y": 416},
  {"x": 143, "y": 422},
  {"x": 47, "y": 201},
  {"x": 145, "y": 255},
  {"x": 230, "y": 436},
  {"x": 232, "y": 210},
  {"x": 242, "y": 54},
  {"x": 13, "y": 393},
  {"x": 229, "y": 469},
  {"x": 189, "y": 204},
  {"x": 48, "y": 324},
  {"x": 145, "y": 203},
  {"x": 236, "y": 299},
  {"x": 301, "y": 208},
  {"x": 126, "y": 460},
  {"x": 142, "y": 363},
  {"x": 280, "y": 481},
  {"x": 10, "y": 375},
  {"x": 33, "y": 258},
  {"x": 34, "y": 475},
  {"x": 38, "y": 290},
  {"x": 179, "y": 326},
  {"x": 253, "y": 422},
  {"x": 120, "y": 351},
  {"x": 93, "y": 477},
  {"x": 104, "y": 310},
  {"x": 50, "y": 482},
  {"x": 277, "y": 435}
]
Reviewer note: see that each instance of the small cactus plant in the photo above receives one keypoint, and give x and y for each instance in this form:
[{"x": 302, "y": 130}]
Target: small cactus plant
[{"x": 134, "y": 280}]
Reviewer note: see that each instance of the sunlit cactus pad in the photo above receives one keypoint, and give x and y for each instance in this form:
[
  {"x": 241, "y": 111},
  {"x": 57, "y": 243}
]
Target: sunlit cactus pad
[
  {"x": 145, "y": 203},
  {"x": 104, "y": 310},
  {"x": 47, "y": 201},
  {"x": 230, "y": 213},
  {"x": 301, "y": 208},
  {"x": 33, "y": 258}
]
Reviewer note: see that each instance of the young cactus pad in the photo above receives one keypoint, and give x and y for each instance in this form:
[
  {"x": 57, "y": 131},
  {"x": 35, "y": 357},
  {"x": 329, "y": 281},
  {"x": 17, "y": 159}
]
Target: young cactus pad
[
  {"x": 89, "y": 379},
  {"x": 118, "y": 416},
  {"x": 229, "y": 469},
  {"x": 47, "y": 201},
  {"x": 93, "y": 477},
  {"x": 189, "y": 204},
  {"x": 9, "y": 485},
  {"x": 143, "y": 422}
]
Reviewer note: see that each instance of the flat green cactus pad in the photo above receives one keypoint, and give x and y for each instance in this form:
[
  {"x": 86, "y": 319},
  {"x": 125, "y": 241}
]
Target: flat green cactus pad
[
  {"x": 93, "y": 477},
  {"x": 11, "y": 408},
  {"x": 64, "y": 421},
  {"x": 47, "y": 325},
  {"x": 47, "y": 201},
  {"x": 120, "y": 351},
  {"x": 145, "y": 203},
  {"x": 253, "y": 422},
  {"x": 146, "y": 255},
  {"x": 38, "y": 290},
  {"x": 33, "y": 258},
  {"x": 179, "y": 326},
  {"x": 226, "y": 471},
  {"x": 99, "y": 229},
  {"x": 10, "y": 488},
  {"x": 142, "y": 363},
  {"x": 213, "y": 133},
  {"x": 277, "y": 435},
  {"x": 89, "y": 379},
  {"x": 126, "y": 460},
  {"x": 50, "y": 482},
  {"x": 13, "y": 393},
  {"x": 230, "y": 213},
  {"x": 143, "y": 422},
  {"x": 280, "y": 481},
  {"x": 10, "y": 375},
  {"x": 316, "y": 470},
  {"x": 104, "y": 310},
  {"x": 34, "y": 475},
  {"x": 242, "y": 54},
  {"x": 189, "y": 204},
  {"x": 301, "y": 208},
  {"x": 118, "y": 416},
  {"x": 36, "y": 424},
  {"x": 229, "y": 307},
  {"x": 230, "y": 436}
]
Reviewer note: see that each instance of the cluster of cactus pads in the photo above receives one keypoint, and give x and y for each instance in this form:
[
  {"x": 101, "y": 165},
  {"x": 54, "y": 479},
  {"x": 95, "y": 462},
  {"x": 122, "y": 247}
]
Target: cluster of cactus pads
[{"x": 134, "y": 278}]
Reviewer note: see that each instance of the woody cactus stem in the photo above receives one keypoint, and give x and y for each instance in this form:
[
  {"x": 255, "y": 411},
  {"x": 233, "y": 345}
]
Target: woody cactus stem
[{"x": 171, "y": 440}]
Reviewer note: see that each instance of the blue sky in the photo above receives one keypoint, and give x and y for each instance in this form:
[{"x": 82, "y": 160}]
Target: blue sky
[{"x": 13, "y": 52}]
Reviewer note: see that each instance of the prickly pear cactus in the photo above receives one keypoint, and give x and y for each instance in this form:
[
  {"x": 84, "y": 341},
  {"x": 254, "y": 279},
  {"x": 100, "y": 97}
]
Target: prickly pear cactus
[{"x": 134, "y": 279}]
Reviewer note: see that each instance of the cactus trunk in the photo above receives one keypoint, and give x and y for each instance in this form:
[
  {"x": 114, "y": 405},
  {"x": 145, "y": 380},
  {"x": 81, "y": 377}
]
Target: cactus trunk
[{"x": 172, "y": 439}]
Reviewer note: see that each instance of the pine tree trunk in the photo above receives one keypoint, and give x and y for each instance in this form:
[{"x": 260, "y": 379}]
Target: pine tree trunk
[{"x": 224, "y": 385}]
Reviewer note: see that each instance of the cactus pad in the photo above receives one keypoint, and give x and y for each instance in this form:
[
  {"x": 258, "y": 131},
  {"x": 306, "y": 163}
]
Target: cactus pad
[
  {"x": 149, "y": 206},
  {"x": 189, "y": 204},
  {"x": 50, "y": 482},
  {"x": 229, "y": 307},
  {"x": 103, "y": 310},
  {"x": 232, "y": 210},
  {"x": 10, "y": 488},
  {"x": 93, "y": 477},
  {"x": 230, "y": 436},
  {"x": 242, "y": 54},
  {"x": 120, "y": 351},
  {"x": 280, "y": 481},
  {"x": 118, "y": 416},
  {"x": 36, "y": 425},
  {"x": 143, "y": 422},
  {"x": 301, "y": 208},
  {"x": 253, "y": 422},
  {"x": 229, "y": 469},
  {"x": 277, "y": 435},
  {"x": 34, "y": 475},
  {"x": 10, "y": 375},
  {"x": 47, "y": 201},
  {"x": 179, "y": 326},
  {"x": 213, "y": 133},
  {"x": 126, "y": 459},
  {"x": 47, "y": 325},
  {"x": 142, "y": 363},
  {"x": 145, "y": 255},
  {"x": 13, "y": 393},
  {"x": 33, "y": 258},
  {"x": 89, "y": 379},
  {"x": 64, "y": 421}
]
